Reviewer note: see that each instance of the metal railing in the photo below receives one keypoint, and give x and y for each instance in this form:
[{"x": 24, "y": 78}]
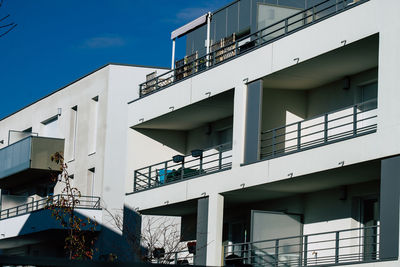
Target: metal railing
[
  {"x": 209, "y": 161},
  {"x": 269, "y": 34},
  {"x": 328, "y": 248},
  {"x": 182, "y": 257},
  {"x": 349, "y": 122},
  {"x": 86, "y": 202}
]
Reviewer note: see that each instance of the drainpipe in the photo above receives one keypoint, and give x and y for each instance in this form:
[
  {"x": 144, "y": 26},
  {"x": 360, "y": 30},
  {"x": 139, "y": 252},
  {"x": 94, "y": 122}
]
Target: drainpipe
[
  {"x": 208, "y": 41},
  {"x": 173, "y": 54}
]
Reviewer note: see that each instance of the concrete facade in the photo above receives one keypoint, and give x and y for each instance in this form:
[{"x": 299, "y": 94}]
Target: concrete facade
[{"x": 282, "y": 155}]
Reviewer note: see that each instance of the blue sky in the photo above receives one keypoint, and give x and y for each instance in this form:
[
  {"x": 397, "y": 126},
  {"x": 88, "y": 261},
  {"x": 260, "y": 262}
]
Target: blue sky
[{"x": 58, "y": 41}]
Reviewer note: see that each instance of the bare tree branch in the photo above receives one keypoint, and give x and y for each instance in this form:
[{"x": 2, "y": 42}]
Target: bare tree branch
[{"x": 8, "y": 27}]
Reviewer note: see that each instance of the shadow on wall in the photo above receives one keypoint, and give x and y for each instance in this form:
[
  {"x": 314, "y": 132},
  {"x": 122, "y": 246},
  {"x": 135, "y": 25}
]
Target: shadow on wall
[{"x": 45, "y": 234}]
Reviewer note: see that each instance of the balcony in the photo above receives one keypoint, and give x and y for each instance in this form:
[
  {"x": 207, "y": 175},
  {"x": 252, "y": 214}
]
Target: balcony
[
  {"x": 85, "y": 202},
  {"x": 198, "y": 163},
  {"x": 232, "y": 47},
  {"x": 326, "y": 248},
  {"x": 28, "y": 161},
  {"x": 339, "y": 125},
  {"x": 32, "y": 222}
]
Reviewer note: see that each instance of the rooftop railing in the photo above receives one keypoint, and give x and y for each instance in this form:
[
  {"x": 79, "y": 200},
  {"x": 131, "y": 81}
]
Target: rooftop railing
[
  {"x": 338, "y": 125},
  {"x": 327, "y": 248},
  {"x": 232, "y": 47},
  {"x": 86, "y": 202},
  {"x": 200, "y": 162}
]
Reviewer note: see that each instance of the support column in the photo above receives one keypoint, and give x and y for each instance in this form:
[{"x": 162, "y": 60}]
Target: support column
[
  {"x": 253, "y": 121},
  {"x": 210, "y": 214},
  {"x": 173, "y": 55},
  {"x": 215, "y": 224},
  {"x": 389, "y": 209},
  {"x": 208, "y": 41},
  {"x": 239, "y": 122},
  {"x": 201, "y": 232}
]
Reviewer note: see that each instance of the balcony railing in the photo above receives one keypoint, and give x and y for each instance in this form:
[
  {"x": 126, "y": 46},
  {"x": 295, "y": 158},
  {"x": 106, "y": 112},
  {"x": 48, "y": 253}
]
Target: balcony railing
[
  {"x": 199, "y": 163},
  {"x": 85, "y": 202},
  {"x": 232, "y": 48},
  {"x": 339, "y": 125},
  {"x": 328, "y": 248},
  {"x": 180, "y": 257}
]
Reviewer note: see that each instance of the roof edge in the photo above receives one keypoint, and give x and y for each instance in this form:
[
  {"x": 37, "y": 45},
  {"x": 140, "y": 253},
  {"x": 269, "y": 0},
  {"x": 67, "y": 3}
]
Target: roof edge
[{"x": 77, "y": 80}]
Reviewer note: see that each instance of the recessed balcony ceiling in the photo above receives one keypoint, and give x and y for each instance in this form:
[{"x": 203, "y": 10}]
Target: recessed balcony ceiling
[
  {"x": 190, "y": 117},
  {"x": 345, "y": 61},
  {"x": 352, "y": 174}
]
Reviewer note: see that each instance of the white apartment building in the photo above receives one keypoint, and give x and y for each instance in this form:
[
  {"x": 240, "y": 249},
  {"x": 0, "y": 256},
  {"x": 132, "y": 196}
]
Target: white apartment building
[
  {"x": 275, "y": 138},
  {"x": 86, "y": 121}
]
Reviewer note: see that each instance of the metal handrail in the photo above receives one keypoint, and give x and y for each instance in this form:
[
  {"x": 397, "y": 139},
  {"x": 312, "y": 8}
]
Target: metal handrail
[
  {"x": 349, "y": 245},
  {"x": 87, "y": 202},
  {"x": 256, "y": 39},
  {"x": 302, "y": 135},
  {"x": 176, "y": 258},
  {"x": 211, "y": 160}
]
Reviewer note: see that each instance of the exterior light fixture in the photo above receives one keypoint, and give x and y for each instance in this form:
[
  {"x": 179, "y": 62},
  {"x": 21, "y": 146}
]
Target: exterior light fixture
[
  {"x": 178, "y": 158},
  {"x": 197, "y": 153}
]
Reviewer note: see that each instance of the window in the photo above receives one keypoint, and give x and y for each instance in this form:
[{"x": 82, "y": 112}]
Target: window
[
  {"x": 92, "y": 131},
  {"x": 369, "y": 96},
  {"x": 91, "y": 182},
  {"x": 50, "y": 127},
  {"x": 73, "y": 132}
]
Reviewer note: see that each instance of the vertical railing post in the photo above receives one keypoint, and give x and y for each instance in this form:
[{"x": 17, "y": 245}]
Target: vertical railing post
[
  {"x": 213, "y": 58},
  {"x": 236, "y": 48},
  {"x": 286, "y": 25},
  {"x": 337, "y": 248},
  {"x": 8, "y": 213},
  {"x": 201, "y": 163},
  {"x": 176, "y": 258},
  {"x": 305, "y": 250},
  {"x": 354, "y": 119},
  {"x": 134, "y": 181},
  {"x": 156, "y": 85},
  {"x": 299, "y": 135},
  {"x": 273, "y": 141},
  {"x": 165, "y": 172},
  {"x": 220, "y": 158},
  {"x": 149, "y": 178},
  {"x": 313, "y": 14},
  {"x": 140, "y": 90},
  {"x": 325, "y": 128},
  {"x": 183, "y": 168},
  {"x": 276, "y": 252}
]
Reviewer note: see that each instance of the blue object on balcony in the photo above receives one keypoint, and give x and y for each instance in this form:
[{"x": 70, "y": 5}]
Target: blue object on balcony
[{"x": 162, "y": 174}]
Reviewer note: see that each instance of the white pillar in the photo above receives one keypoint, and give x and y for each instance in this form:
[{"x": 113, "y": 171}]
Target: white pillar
[
  {"x": 173, "y": 54},
  {"x": 208, "y": 41},
  {"x": 239, "y": 123},
  {"x": 215, "y": 224}
]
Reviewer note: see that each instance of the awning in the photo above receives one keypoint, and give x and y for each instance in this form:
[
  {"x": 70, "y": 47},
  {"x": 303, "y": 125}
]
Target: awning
[{"x": 189, "y": 27}]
